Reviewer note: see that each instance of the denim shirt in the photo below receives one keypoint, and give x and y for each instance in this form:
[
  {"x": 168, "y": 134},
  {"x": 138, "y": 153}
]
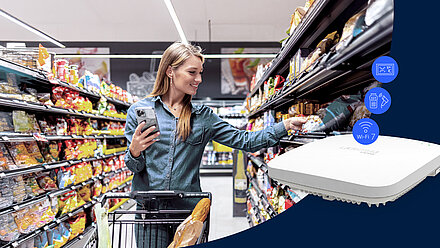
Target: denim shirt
[{"x": 172, "y": 164}]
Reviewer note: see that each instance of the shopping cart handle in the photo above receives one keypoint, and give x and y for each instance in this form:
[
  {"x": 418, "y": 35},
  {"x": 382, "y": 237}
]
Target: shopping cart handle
[{"x": 168, "y": 194}]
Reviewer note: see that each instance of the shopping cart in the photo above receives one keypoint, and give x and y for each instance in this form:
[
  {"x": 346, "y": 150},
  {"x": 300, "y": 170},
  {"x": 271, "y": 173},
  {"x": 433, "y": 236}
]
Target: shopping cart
[{"x": 151, "y": 226}]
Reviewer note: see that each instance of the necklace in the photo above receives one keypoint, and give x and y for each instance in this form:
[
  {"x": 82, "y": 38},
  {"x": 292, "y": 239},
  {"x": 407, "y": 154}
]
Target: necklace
[{"x": 175, "y": 109}]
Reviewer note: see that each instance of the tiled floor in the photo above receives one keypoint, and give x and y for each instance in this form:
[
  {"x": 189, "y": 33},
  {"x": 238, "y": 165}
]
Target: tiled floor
[{"x": 222, "y": 222}]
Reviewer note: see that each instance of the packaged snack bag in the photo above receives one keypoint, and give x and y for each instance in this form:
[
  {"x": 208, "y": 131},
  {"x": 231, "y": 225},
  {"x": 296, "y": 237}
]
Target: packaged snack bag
[
  {"x": 46, "y": 181},
  {"x": 34, "y": 151},
  {"x": 8, "y": 228},
  {"x": 18, "y": 189},
  {"x": 85, "y": 193},
  {"x": 6, "y": 195},
  {"x": 26, "y": 220},
  {"x": 77, "y": 224},
  {"x": 6, "y": 122},
  {"x": 20, "y": 155},
  {"x": 6, "y": 162}
]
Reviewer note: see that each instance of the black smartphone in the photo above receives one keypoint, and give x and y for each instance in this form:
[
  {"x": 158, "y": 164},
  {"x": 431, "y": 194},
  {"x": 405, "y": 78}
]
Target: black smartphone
[{"x": 148, "y": 115}]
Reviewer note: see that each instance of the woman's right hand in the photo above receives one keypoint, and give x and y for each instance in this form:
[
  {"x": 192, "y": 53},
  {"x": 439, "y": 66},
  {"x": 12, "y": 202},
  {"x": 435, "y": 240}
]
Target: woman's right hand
[{"x": 140, "y": 141}]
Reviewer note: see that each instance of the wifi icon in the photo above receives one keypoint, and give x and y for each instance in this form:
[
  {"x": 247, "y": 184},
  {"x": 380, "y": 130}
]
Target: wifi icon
[
  {"x": 366, "y": 126},
  {"x": 365, "y": 131}
]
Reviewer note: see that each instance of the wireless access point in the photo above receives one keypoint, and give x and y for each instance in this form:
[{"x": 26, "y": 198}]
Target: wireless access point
[{"x": 339, "y": 168}]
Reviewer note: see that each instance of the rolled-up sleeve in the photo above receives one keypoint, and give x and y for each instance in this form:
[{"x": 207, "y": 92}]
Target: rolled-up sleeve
[
  {"x": 224, "y": 133},
  {"x": 134, "y": 164}
]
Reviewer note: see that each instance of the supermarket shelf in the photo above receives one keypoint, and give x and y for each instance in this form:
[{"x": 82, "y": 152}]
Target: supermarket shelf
[
  {"x": 258, "y": 162},
  {"x": 319, "y": 18},
  {"x": 216, "y": 166},
  {"x": 40, "y": 77},
  {"x": 336, "y": 72},
  {"x": 21, "y": 137},
  {"x": 249, "y": 219},
  {"x": 21, "y": 70},
  {"x": 255, "y": 208},
  {"x": 270, "y": 210},
  {"x": 52, "y": 194},
  {"x": 216, "y": 172},
  {"x": 232, "y": 116},
  {"x": 49, "y": 166},
  {"x": 35, "y": 107},
  {"x": 50, "y": 225}
]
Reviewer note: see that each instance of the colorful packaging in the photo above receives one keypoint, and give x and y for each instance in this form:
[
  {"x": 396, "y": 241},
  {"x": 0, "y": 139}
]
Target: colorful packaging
[
  {"x": 31, "y": 186},
  {"x": 46, "y": 181},
  {"x": 18, "y": 189},
  {"x": 26, "y": 220},
  {"x": 6, "y": 122},
  {"x": 8, "y": 228},
  {"x": 34, "y": 151},
  {"x": 77, "y": 224},
  {"x": 6, "y": 162},
  {"x": 6, "y": 195}
]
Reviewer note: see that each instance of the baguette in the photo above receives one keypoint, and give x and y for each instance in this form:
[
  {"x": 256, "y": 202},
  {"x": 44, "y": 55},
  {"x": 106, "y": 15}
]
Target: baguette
[{"x": 201, "y": 210}]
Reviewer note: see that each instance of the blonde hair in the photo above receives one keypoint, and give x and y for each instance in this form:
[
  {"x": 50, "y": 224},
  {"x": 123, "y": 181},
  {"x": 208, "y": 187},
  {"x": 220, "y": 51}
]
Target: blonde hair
[{"x": 174, "y": 56}]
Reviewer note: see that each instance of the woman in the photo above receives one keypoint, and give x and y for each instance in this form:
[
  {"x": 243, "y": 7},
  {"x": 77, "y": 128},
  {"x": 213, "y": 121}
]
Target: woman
[{"x": 170, "y": 159}]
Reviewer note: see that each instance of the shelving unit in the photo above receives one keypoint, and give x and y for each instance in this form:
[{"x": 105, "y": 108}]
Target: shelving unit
[
  {"x": 39, "y": 80},
  {"x": 339, "y": 71},
  {"x": 335, "y": 72}
]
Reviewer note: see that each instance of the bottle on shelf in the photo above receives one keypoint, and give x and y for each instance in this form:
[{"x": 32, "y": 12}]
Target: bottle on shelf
[{"x": 240, "y": 180}]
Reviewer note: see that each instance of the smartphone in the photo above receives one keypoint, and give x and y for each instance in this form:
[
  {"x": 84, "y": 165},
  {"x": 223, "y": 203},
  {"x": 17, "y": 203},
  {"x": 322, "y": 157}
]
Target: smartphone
[{"x": 148, "y": 115}]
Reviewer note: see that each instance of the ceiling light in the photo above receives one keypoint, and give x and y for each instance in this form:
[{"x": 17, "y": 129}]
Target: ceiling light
[
  {"x": 158, "y": 56},
  {"x": 30, "y": 28},
  {"x": 176, "y": 21}
]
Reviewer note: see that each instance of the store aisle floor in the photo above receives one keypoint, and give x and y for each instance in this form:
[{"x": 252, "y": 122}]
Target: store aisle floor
[{"x": 222, "y": 222}]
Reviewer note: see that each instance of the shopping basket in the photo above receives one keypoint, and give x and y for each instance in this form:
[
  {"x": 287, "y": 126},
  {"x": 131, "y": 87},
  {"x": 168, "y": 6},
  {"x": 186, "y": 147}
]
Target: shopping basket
[{"x": 147, "y": 227}]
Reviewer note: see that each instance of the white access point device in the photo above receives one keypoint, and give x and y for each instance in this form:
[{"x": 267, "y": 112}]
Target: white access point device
[{"x": 339, "y": 168}]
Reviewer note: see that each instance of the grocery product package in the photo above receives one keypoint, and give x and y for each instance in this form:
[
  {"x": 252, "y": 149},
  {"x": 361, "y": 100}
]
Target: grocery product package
[
  {"x": 6, "y": 195},
  {"x": 97, "y": 167},
  {"x": 353, "y": 27},
  {"x": 67, "y": 202},
  {"x": 313, "y": 122},
  {"x": 190, "y": 229},
  {"x": 26, "y": 220},
  {"x": 338, "y": 113},
  {"x": 6, "y": 161},
  {"x": 65, "y": 178},
  {"x": 85, "y": 193},
  {"x": 24, "y": 122},
  {"x": 47, "y": 181},
  {"x": 97, "y": 188},
  {"x": 31, "y": 186},
  {"x": 51, "y": 151},
  {"x": 6, "y": 122},
  {"x": 322, "y": 48},
  {"x": 18, "y": 188},
  {"x": 376, "y": 9},
  {"x": 8, "y": 228},
  {"x": 77, "y": 224},
  {"x": 34, "y": 151},
  {"x": 20, "y": 154}
]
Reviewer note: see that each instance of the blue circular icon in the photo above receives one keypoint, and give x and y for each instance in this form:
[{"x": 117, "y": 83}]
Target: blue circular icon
[
  {"x": 385, "y": 69},
  {"x": 377, "y": 100},
  {"x": 365, "y": 131}
]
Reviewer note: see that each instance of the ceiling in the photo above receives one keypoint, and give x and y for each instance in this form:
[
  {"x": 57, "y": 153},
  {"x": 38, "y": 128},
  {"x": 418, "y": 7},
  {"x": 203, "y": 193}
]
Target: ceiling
[{"x": 149, "y": 20}]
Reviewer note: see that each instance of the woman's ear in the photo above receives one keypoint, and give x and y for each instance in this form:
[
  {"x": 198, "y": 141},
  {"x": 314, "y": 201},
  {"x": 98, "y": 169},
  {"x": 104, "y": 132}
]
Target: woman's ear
[{"x": 170, "y": 71}]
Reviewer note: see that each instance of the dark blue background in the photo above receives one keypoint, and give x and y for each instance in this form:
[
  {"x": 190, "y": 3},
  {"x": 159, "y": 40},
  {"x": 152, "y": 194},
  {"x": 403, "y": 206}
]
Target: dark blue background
[{"x": 412, "y": 220}]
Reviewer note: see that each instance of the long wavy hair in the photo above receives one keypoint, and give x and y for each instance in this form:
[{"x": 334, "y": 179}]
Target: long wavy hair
[{"x": 174, "y": 56}]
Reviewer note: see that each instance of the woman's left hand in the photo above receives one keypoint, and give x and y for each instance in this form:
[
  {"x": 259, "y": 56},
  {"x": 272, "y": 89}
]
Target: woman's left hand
[{"x": 294, "y": 123}]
